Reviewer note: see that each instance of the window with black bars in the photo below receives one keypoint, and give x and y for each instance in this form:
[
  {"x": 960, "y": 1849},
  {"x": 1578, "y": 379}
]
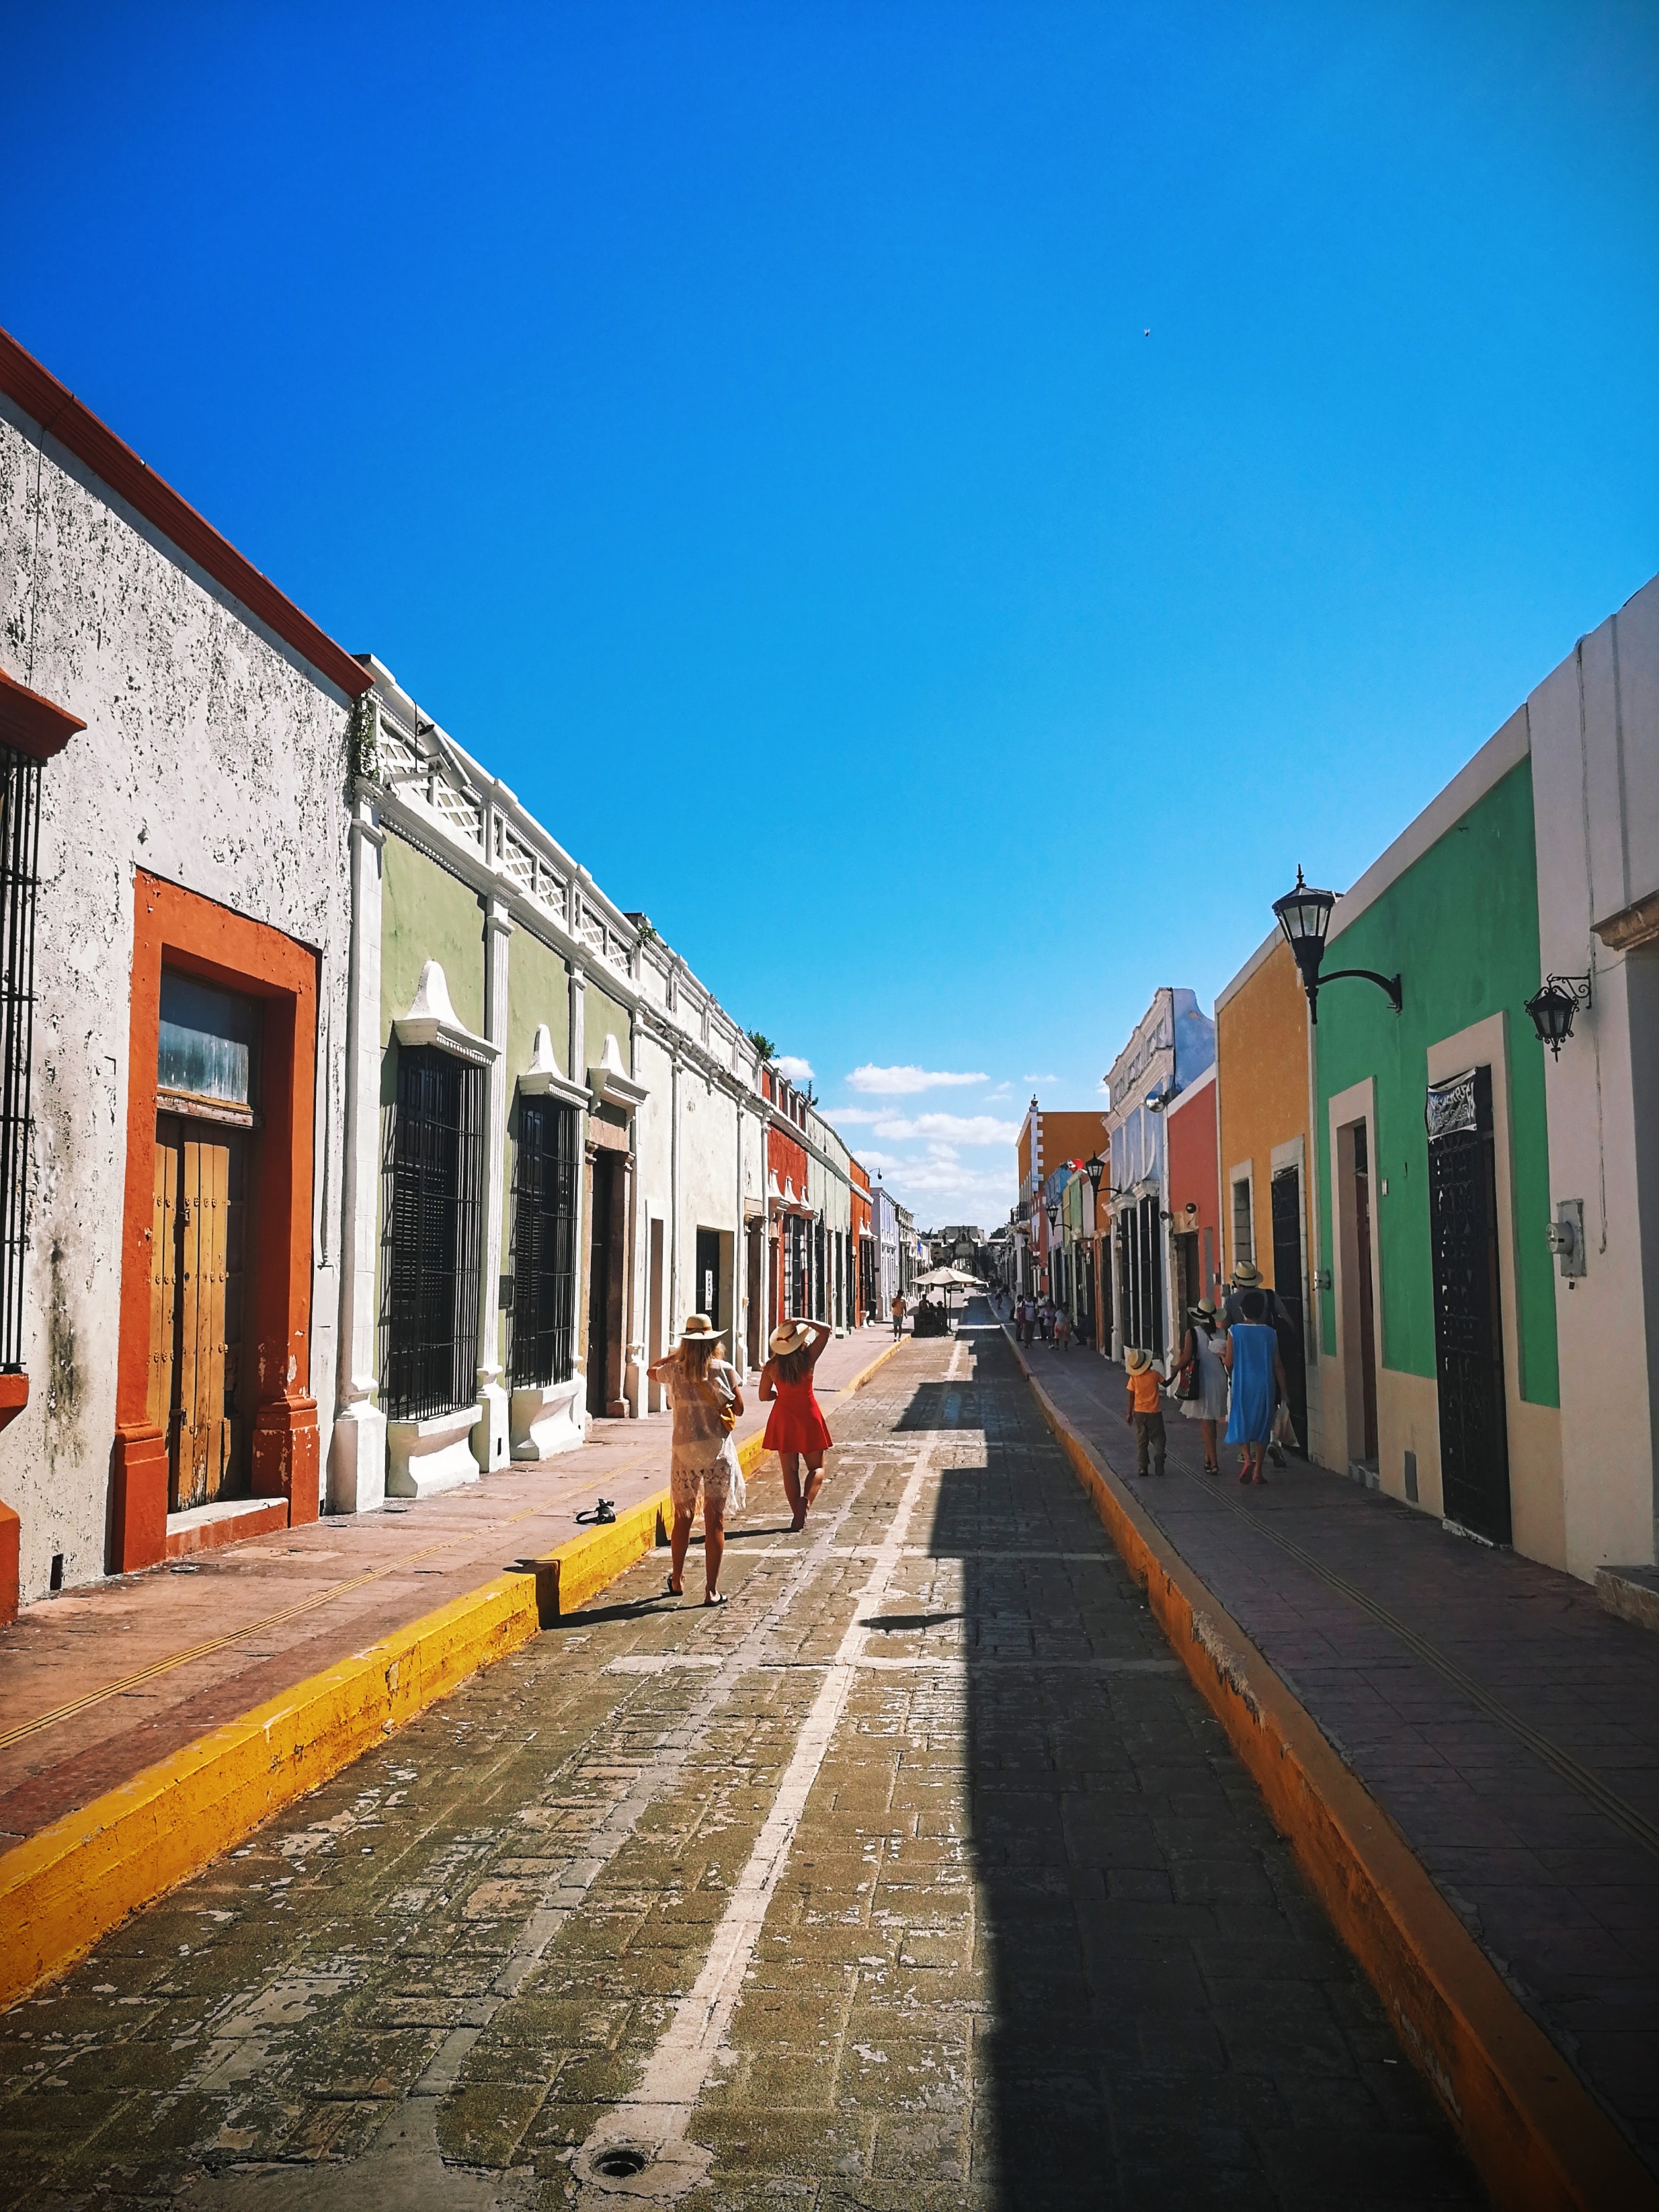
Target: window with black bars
[
  {"x": 19, "y": 844},
  {"x": 431, "y": 1213},
  {"x": 544, "y": 1244}
]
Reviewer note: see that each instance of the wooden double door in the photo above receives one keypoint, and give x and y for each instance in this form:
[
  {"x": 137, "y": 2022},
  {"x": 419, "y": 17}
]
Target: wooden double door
[{"x": 198, "y": 1238}]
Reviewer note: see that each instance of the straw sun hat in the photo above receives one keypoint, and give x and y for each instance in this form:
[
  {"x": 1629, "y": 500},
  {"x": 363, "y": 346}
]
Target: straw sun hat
[
  {"x": 699, "y": 1330},
  {"x": 788, "y": 1337},
  {"x": 1246, "y": 1274},
  {"x": 1136, "y": 1363}
]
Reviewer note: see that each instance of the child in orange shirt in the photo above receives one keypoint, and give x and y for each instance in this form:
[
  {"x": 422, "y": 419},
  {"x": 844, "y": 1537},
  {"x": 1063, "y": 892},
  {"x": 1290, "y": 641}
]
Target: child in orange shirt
[{"x": 1144, "y": 1412}]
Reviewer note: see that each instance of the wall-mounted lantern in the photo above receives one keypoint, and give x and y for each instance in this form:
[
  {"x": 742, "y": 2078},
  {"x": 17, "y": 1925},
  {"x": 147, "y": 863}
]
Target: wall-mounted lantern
[
  {"x": 1553, "y": 1007},
  {"x": 1095, "y": 1169},
  {"x": 1053, "y": 1212},
  {"x": 1304, "y": 915}
]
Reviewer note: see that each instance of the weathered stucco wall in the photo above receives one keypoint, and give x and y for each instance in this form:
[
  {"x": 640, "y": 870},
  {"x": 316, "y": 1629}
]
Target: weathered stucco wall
[{"x": 213, "y": 757}]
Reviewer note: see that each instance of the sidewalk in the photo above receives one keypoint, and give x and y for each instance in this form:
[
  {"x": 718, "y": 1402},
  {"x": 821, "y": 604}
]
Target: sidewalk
[
  {"x": 101, "y": 1682},
  {"x": 1507, "y": 1724}
]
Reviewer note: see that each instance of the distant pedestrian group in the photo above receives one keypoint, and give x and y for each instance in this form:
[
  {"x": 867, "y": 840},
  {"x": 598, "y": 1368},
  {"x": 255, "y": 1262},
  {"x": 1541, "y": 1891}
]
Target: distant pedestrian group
[{"x": 1230, "y": 1367}]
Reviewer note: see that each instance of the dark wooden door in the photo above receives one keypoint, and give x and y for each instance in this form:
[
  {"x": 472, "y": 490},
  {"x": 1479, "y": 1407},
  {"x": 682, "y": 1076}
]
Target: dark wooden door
[
  {"x": 1469, "y": 1332},
  {"x": 1287, "y": 1287},
  {"x": 708, "y": 1274}
]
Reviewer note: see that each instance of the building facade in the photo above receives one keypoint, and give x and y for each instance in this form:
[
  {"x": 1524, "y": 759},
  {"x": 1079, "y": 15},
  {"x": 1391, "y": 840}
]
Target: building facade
[
  {"x": 173, "y": 1168},
  {"x": 1172, "y": 1045}
]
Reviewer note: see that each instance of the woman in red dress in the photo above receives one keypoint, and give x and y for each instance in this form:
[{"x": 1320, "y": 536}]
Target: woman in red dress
[{"x": 795, "y": 1427}]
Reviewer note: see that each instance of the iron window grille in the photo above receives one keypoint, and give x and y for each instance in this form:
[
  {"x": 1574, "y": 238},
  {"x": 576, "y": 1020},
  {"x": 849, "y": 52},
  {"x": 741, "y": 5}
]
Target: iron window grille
[
  {"x": 20, "y": 850},
  {"x": 432, "y": 1211},
  {"x": 544, "y": 1244}
]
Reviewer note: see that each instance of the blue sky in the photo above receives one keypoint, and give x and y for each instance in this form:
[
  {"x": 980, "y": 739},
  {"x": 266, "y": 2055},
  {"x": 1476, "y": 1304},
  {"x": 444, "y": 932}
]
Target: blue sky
[{"x": 945, "y": 506}]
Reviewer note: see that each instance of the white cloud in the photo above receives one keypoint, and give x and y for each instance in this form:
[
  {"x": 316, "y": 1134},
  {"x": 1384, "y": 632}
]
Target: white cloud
[
  {"x": 1039, "y": 1078},
  {"x": 956, "y": 1128},
  {"x": 900, "y": 1082},
  {"x": 792, "y": 1069}
]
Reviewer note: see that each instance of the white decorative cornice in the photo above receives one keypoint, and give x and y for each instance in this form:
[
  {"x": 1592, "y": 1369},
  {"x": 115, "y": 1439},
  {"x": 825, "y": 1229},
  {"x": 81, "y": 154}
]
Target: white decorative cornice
[
  {"x": 432, "y": 1020},
  {"x": 542, "y": 1078},
  {"x": 609, "y": 1080}
]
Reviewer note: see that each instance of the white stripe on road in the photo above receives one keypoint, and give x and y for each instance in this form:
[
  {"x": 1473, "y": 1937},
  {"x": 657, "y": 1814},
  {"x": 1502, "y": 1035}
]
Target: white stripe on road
[{"x": 655, "y": 2117}]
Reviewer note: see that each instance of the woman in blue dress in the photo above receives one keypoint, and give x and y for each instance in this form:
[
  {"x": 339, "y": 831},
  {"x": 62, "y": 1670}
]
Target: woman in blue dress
[{"x": 1251, "y": 1355}]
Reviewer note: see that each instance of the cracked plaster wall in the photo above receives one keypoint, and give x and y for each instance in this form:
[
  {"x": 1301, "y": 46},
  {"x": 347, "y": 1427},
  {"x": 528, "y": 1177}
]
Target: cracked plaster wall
[{"x": 214, "y": 757}]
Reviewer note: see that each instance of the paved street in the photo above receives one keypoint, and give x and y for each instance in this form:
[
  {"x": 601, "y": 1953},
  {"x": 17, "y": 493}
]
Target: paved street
[
  {"x": 918, "y": 1876},
  {"x": 107, "y": 1680},
  {"x": 1509, "y": 1725}
]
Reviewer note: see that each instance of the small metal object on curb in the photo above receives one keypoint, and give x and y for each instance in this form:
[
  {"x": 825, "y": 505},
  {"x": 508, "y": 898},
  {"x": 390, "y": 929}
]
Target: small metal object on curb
[{"x": 601, "y": 1517}]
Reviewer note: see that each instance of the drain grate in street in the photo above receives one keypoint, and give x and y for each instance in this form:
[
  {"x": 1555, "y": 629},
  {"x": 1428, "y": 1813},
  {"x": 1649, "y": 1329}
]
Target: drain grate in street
[{"x": 619, "y": 2164}]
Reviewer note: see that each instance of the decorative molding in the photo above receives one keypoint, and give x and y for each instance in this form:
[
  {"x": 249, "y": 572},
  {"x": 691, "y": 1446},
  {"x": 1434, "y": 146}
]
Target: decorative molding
[
  {"x": 610, "y": 1082},
  {"x": 542, "y": 1078},
  {"x": 1632, "y": 925},
  {"x": 432, "y": 1020}
]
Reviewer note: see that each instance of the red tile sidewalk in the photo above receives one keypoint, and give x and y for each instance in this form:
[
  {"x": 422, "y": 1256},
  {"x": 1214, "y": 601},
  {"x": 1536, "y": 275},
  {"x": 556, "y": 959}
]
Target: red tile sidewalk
[
  {"x": 262, "y": 1615},
  {"x": 1507, "y": 1724}
]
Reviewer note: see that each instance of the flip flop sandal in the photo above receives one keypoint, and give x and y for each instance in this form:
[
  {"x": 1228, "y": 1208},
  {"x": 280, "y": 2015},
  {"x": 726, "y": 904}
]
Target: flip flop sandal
[
  {"x": 669, "y": 1589},
  {"x": 714, "y": 1597}
]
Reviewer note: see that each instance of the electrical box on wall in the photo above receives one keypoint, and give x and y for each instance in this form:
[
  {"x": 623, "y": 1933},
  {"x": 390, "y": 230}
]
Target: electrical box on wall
[{"x": 1566, "y": 1237}]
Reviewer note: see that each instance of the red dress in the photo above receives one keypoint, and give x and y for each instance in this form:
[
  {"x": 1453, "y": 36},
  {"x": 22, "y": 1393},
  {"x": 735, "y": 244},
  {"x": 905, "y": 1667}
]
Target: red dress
[{"x": 796, "y": 1423}]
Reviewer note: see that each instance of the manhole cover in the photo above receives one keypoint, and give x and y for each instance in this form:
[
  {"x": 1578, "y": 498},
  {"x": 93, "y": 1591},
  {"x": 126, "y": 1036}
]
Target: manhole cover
[{"x": 617, "y": 2165}]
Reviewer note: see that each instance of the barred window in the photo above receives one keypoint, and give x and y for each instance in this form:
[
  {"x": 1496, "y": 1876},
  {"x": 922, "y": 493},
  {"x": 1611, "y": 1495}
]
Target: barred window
[
  {"x": 20, "y": 842},
  {"x": 544, "y": 1244},
  {"x": 431, "y": 1213}
]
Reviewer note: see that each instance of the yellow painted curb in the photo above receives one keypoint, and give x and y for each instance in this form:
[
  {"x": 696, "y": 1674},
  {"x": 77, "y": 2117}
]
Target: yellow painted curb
[
  {"x": 66, "y": 1887},
  {"x": 1539, "y": 2139},
  {"x": 572, "y": 1573}
]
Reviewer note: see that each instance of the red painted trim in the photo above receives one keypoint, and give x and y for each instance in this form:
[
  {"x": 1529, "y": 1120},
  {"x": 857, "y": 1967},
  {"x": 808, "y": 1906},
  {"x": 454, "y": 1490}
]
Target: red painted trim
[
  {"x": 11, "y": 1530},
  {"x": 209, "y": 940},
  {"x": 58, "y": 412},
  {"x": 260, "y": 1516},
  {"x": 30, "y": 724}
]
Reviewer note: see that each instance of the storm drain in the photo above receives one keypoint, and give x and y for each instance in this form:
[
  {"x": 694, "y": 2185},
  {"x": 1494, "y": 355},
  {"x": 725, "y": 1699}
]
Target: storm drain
[{"x": 618, "y": 2165}]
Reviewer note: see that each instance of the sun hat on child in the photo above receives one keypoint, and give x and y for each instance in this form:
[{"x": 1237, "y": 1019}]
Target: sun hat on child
[{"x": 1136, "y": 1363}]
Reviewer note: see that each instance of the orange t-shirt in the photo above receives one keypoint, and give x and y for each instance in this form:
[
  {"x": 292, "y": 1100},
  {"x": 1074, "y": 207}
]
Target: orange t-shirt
[{"x": 1144, "y": 1389}]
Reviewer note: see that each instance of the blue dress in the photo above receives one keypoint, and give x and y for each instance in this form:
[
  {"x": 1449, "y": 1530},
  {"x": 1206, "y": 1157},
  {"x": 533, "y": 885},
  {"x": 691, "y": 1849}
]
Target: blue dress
[{"x": 1251, "y": 1420}]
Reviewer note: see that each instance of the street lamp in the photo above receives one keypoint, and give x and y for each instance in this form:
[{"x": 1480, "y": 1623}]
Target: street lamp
[
  {"x": 1304, "y": 915},
  {"x": 1553, "y": 1007},
  {"x": 1052, "y": 1210},
  {"x": 1095, "y": 1170}
]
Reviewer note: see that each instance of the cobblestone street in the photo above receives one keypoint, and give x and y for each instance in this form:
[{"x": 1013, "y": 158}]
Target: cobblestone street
[{"x": 917, "y": 1877}]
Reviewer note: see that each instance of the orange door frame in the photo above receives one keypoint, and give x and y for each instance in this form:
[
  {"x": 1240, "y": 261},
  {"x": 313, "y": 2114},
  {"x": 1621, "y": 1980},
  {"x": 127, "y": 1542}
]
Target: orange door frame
[{"x": 185, "y": 931}]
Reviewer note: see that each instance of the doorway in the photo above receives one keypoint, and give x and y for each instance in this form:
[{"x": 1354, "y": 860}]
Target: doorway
[
  {"x": 1286, "y": 1199},
  {"x": 1359, "y": 1314},
  {"x": 1469, "y": 1330},
  {"x": 198, "y": 1272},
  {"x": 653, "y": 1309},
  {"x": 708, "y": 1275},
  {"x": 604, "y": 1290},
  {"x": 754, "y": 1237}
]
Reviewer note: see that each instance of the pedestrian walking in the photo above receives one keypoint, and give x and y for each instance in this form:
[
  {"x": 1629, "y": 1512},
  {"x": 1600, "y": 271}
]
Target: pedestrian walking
[
  {"x": 1145, "y": 1414},
  {"x": 1246, "y": 1277},
  {"x": 1201, "y": 1378},
  {"x": 898, "y": 1315},
  {"x": 1257, "y": 1373},
  {"x": 1048, "y": 1320},
  {"x": 1062, "y": 1330},
  {"x": 795, "y": 1428},
  {"x": 707, "y": 1403}
]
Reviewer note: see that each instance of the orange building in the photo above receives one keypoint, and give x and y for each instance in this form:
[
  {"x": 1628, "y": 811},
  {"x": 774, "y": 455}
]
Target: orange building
[
  {"x": 1045, "y": 1140},
  {"x": 1263, "y": 1146},
  {"x": 864, "y": 1248}
]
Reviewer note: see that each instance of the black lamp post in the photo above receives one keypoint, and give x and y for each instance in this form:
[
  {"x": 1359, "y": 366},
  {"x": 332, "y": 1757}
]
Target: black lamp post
[
  {"x": 1053, "y": 1212},
  {"x": 1304, "y": 915},
  {"x": 1553, "y": 1007},
  {"x": 1095, "y": 1169}
]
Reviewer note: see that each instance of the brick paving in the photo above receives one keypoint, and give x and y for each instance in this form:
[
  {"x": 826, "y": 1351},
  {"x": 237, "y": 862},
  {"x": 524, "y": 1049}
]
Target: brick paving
[
  {"x": 1028, "y": 1938},
  {"x": 1505, "y": 1721},
  {"x": 355, "y": 1576}
]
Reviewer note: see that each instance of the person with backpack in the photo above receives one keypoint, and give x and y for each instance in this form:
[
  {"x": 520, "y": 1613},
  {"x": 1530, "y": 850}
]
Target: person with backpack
[{"x": 706, "y": 1403}]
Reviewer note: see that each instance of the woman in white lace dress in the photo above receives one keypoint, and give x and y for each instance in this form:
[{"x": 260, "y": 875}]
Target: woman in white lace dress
[
  {"x": 706, "y": 1400},
  {"x": 1201, "y": 1349}
]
